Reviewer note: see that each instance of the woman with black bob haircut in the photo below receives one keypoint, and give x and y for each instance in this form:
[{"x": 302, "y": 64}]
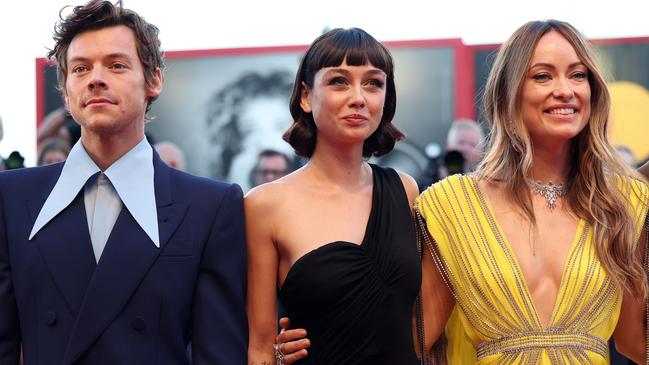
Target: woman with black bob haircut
[
  {"x": 336, "y": 236},
  {"x": 330, "y": 49}
]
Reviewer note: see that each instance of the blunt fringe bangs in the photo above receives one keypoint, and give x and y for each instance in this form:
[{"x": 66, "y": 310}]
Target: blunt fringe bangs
[{"x": 357, "y": 48}]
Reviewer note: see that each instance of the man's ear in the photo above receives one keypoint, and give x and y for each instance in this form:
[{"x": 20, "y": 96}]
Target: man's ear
[
  {"x": 305, "y": 101},
  {"x": 157, "y": 83}
]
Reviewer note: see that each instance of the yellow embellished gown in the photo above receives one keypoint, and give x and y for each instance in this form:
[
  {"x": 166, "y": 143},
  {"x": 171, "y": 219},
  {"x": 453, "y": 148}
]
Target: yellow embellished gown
[{"x": 495, "y": 321}]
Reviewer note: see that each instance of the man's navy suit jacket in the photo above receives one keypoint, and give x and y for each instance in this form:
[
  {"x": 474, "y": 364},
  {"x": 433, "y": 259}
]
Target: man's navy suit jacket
[{"x": 140, "y": 305}]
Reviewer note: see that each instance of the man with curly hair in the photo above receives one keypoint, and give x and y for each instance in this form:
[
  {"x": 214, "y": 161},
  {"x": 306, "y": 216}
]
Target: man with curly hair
[{"x": 112, "y": 257}]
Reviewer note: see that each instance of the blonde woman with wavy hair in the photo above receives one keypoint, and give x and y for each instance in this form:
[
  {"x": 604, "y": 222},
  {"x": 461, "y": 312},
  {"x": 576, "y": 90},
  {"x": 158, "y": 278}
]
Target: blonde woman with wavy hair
[{"x": 540, "y": 251}]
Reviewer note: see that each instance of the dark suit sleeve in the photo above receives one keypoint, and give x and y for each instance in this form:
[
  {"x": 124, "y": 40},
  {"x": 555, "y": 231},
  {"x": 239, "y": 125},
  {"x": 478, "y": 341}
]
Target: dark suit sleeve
[
  {"x": 219, "y": 324},
  {"x": 9, "y": 326}
]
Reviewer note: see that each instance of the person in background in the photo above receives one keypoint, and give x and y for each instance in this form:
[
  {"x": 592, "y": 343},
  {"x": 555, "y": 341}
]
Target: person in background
[
  {"x": 271, "y": 165},
  {"x": 244, "y": 117},
  {"x": 58, "y": 124},
  {"x": 461, "y": 154},
  {"x": 466, "y": 136},
  {"x": 54, "y": 150},
  {"x": 171, "y": 154}
]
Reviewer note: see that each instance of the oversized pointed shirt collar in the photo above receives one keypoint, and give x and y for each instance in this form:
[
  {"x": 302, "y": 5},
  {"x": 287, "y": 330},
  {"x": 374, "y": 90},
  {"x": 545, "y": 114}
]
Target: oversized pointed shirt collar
[{"x": 131, "y": 176}]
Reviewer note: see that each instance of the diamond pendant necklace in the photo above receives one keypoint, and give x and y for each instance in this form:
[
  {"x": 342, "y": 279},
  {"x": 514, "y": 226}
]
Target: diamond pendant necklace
[{"x": 549, "y": 191}]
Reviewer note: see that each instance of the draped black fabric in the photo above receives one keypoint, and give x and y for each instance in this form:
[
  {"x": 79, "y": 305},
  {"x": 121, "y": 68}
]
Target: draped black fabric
[{"x": 356, "y": 301}]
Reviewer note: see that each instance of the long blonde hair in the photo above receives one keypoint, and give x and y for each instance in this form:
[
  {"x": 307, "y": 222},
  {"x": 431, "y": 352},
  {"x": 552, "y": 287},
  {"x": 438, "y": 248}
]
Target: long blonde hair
[{"x": 596, "y": 171}]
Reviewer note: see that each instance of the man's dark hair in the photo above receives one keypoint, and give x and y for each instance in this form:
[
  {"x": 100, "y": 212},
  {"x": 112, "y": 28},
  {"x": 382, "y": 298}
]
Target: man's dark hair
[
  {"x": 290, "y": 164},
  {"x": 330, "y": 50},
  {"x": 271, "y": 153},
  {"x": 99, "y": 14}
]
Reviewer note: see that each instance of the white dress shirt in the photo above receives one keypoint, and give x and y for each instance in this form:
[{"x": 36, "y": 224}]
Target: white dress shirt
[{"x": 129, "y": 181}]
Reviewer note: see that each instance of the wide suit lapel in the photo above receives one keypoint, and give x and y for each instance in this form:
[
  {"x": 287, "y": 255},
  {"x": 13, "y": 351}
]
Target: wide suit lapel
[
  {"x": 128, "y": 256},
  {"x": 65, "y": 246}
]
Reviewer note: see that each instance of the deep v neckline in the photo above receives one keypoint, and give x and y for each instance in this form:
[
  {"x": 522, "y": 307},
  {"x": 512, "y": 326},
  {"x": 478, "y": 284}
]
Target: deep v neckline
[{"x": 503, "y": 241}]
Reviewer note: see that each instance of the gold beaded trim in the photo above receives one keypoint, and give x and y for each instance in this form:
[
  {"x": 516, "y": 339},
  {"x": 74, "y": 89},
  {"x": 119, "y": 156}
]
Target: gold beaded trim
[{"x": 542, "y": 340}]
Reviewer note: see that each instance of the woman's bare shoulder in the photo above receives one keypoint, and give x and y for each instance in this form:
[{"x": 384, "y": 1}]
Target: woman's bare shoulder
[
  {"x": 410, "y": 186},
  {"x": 270, "y": 195}
]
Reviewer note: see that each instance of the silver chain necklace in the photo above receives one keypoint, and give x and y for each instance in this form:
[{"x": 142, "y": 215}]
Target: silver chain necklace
[{"x": 549, "y": 191}]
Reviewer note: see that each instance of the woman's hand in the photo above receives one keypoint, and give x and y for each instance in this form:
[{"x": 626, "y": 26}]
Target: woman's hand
[{"x": 291, "y": 344}]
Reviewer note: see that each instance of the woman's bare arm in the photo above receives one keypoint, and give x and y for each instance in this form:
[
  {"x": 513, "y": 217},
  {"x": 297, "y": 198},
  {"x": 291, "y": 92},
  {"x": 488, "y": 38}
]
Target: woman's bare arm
[
  {"x": 262, "y": 277},
  {"x": 630, "y": 333},
  {"x": 437, "y": 300}
]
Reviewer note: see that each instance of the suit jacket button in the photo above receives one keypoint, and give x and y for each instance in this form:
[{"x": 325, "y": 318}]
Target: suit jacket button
[
  {"x": 138, "y": 324},
  {"x": 50, "y": 318}
]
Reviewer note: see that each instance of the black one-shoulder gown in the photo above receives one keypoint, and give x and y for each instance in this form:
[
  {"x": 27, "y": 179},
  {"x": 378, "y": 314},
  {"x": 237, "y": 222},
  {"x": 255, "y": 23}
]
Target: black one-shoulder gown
[{"x": 356, "y": 301}]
